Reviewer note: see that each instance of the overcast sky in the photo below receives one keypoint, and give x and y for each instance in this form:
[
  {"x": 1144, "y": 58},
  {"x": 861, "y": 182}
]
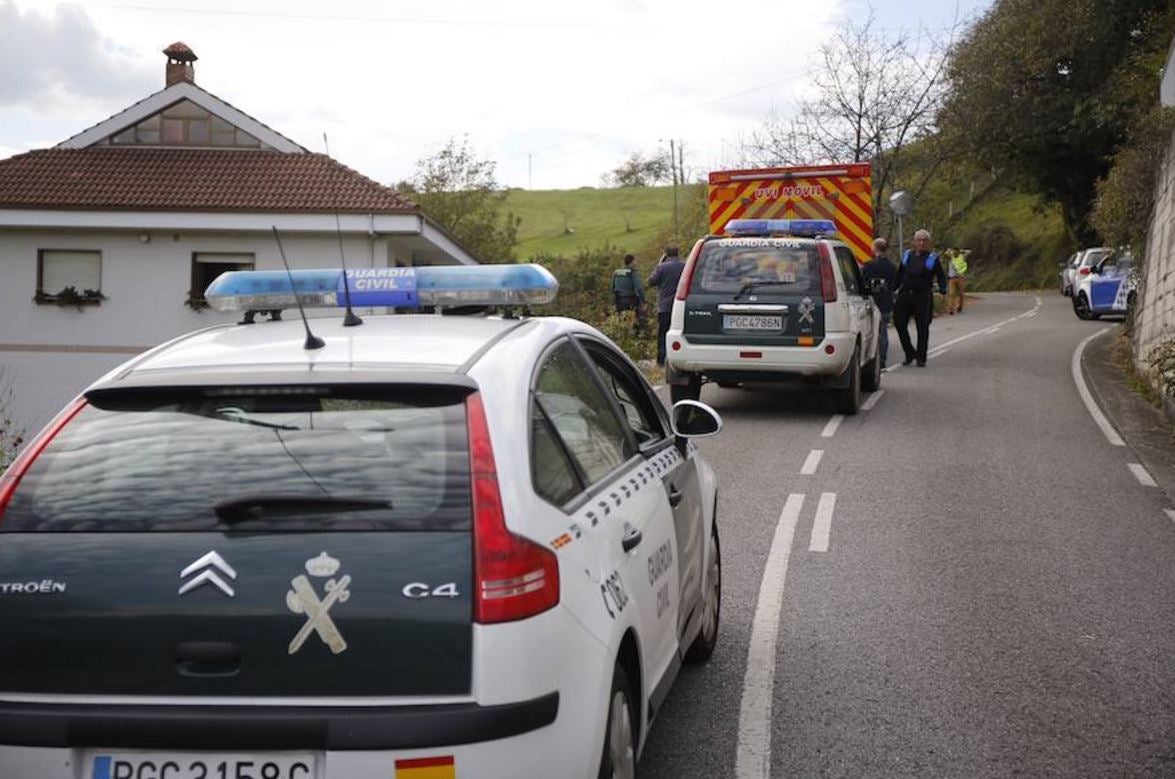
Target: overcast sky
[{"x": 556, "y": 92}]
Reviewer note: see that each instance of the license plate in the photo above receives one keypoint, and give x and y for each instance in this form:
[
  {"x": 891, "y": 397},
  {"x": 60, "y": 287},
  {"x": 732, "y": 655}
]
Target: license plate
[
  {"x": 200, "y": 765},
  {"x": 751, "y": 322}
]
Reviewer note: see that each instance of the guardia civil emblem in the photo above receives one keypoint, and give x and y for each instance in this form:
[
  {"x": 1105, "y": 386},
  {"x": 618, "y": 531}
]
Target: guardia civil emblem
[
  {"x": 303, "y": 599},
  {"x": 807, "y": 307}
]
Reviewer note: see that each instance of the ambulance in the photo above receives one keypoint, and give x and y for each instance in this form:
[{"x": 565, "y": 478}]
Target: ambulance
[{"x": 840, "y": 193}]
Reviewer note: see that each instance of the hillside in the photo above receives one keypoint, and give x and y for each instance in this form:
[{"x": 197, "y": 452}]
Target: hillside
[
  {"x": 1016, "y": 242},
  {"x": 565, "y": 222}
]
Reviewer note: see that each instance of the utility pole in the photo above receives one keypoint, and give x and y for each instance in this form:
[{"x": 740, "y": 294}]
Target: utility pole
[{"x": 673, "y": 166}]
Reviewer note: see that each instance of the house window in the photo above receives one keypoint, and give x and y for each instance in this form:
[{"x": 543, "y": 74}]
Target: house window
[
  {"x": 206, "y": 266},
  {"x": 69, "y": 276}
]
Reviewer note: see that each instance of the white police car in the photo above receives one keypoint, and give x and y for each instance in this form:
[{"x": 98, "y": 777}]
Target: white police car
[
  {"x": 774, "y": 300},
  {"x": 1109, "y": 288},
  {"x": 425, "y": 546}
]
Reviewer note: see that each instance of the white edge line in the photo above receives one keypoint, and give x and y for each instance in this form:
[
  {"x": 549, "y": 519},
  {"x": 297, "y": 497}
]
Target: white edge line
[
  {"x": 1142, "y": 474},
  {"x": 822, "y": 526},
  {"x": 753, "y": 759},
  {"x": 1098, "y": 417},
  {"x": 871, "y": 401},
  {"x": 812, "y": 463},
  {"x": 1170, "y": 514},
  {"x": 830, "y": 429}
]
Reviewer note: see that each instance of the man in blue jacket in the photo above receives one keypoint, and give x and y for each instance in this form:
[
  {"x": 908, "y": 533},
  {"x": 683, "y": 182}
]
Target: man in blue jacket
[
  {"x": 665, "y": 277},
  {"x": 919, "y": 269},
  {"x": 880, "y": 280}
]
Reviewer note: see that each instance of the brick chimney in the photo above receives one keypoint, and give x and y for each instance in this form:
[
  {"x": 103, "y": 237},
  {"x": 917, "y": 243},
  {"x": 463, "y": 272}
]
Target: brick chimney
[{"x": 179, "y": 64}]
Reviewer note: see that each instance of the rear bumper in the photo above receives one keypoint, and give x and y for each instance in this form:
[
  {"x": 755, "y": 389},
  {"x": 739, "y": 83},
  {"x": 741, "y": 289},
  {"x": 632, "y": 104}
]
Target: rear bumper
[
  {"x": 777, "y": 363},
  {"x": 269, "y": 728}
]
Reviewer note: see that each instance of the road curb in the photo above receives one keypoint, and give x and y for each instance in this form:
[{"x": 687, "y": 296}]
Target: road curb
[{"x": 1148, "y": 432}]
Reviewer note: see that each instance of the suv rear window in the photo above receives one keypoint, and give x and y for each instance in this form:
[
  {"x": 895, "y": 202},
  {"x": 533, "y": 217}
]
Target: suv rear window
[
  {"x": 309, "y": 458},
  {"x": 773, "y": 265}
]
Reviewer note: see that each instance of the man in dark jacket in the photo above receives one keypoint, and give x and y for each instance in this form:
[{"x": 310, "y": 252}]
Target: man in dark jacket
[
  {"x": 881, "y": 279},
  {"x": 915, "y": 279},
  {"x": 665, "y": 277},
  {"x": 627, "y": 292}
]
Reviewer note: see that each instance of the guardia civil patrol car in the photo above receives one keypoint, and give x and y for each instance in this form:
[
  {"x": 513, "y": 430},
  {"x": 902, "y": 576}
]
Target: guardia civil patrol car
[
  {"x": 423, "y": 546},
  {"x": 1109, "y": 288},
  {"x": 774, "y": 300}
]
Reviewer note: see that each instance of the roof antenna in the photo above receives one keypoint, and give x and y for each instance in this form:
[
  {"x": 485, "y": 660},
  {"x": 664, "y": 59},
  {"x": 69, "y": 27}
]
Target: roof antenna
[
  {"x": 351, "y": 319},
  {"x": 312, "y": 341}
]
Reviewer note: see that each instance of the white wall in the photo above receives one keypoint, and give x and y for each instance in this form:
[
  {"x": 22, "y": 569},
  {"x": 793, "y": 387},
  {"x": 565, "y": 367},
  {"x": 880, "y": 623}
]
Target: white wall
[
  {"x": 146, "y": 285},
  {"x": 1155, "y": 318}
]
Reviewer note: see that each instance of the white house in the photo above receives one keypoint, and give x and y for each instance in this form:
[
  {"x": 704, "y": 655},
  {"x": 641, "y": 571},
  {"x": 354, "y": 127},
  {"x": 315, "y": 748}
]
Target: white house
[{"x": 108, "y": 239}]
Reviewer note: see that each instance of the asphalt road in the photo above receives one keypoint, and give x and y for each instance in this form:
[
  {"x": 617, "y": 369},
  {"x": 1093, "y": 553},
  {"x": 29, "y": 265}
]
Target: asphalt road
[{"x": 997, "y": 593}]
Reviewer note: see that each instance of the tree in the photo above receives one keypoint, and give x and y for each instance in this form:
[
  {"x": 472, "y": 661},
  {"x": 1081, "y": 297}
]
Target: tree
[
  {"x": 639, "y": 170},
  {"x": 1049, "y": 88},
  {"x": 458, "y": 191},
  {"x": 875, "y": 93}
]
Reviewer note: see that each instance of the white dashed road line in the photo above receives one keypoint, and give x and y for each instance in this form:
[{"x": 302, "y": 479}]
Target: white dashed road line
[
  {"x": 1142, "y": 474},
  {"x": 1170, "y": 514},
  {"x": 871, "y": 401},
  {"x": 833, "y": 424},
  {"x": 812, "y": 463},
  {"x": 822, "y": 527},
  {"x": 937, "y": 350},
  {"x": 1098, "y": 417},
  {"x": 753, "y": 760}
]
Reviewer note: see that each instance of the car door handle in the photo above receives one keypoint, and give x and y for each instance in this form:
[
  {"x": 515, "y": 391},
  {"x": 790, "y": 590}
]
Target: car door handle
[
  {"x": 675, "y": 496},
  {"x": 631, "y": 538},
  {"x": 207, "y": 658}
]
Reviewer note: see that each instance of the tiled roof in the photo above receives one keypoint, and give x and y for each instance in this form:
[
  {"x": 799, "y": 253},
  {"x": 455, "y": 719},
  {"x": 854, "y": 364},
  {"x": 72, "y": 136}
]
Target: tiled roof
[{"x": 162, "y": 179}]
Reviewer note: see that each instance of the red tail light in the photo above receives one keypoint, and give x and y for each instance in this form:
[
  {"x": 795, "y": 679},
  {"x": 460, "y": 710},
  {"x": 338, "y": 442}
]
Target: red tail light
[
  {"x": 513, "y": 578},
  {"x": 827, "y": 278},
  {"x": 687, "y": 273},
  {"x": 10, "y": 479},
  {"x": 1084, "y": 271}
]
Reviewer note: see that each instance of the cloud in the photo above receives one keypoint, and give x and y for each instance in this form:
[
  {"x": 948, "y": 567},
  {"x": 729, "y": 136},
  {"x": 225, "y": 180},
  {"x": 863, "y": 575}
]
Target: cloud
[{"x": 60, "y": 56}]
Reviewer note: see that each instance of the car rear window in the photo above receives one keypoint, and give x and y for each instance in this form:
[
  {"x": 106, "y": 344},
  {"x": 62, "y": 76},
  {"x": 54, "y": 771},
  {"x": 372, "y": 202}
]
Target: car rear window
[
  {"x": 766, "y": 265},
  {"x": 311, "y": 458}
]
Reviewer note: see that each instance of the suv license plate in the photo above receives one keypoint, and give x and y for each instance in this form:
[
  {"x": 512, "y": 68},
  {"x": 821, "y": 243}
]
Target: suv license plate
[
  {"x": 751, "y": 322},
  {"x": 200, "y": 765}
]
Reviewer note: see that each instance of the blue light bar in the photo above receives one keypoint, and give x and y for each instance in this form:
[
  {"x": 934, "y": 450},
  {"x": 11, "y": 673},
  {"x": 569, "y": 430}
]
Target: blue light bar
[
  {"x": 414, "y": 288},
  {"x": 763, "y": 228}
]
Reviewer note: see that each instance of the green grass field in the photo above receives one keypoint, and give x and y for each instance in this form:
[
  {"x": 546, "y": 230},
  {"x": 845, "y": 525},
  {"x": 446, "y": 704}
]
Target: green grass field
[{"x": 563, "y": 222}]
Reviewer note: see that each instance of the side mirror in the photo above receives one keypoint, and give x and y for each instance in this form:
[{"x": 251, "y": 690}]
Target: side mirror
[{"x": 692, "y": 419}]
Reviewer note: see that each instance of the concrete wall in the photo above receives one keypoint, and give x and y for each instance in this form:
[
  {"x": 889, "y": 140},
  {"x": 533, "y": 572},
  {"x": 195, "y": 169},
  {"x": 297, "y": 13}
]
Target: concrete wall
[
  {"x": 49, "y": 353},
  {"x": 1155, "y": 317}
]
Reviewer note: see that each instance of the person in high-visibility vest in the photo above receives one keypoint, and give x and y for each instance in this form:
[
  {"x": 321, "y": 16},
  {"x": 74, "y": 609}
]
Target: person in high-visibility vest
[{"x": 957, "y": 280}]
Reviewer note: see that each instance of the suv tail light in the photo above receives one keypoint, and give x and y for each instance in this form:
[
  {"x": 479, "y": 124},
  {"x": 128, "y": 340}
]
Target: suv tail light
[
  {"x": 10, "y": 479},
  {"x": 827, "y": 278},
  {"x": 1084, "y": 271},
  {"x": 687, "y": 273},
  {"x": 513, "y": 578}
]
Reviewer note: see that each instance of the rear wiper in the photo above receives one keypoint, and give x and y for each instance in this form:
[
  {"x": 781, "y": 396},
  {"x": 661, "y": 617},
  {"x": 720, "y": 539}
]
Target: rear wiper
[
  {"x": 238, "y": 417},
  {"x": 750, "y": 285},
  {"x": 253, "y": 507}
]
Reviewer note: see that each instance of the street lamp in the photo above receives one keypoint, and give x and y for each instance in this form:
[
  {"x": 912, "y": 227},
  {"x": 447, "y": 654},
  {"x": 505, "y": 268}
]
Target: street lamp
[{"x": 901, "y": 204}]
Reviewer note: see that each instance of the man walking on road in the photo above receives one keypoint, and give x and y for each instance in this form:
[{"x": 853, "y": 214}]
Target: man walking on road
[
  {"x": 627, "y": 292},
  {"x": 665, "y": 277},
  {"x": 915, "y": 279},
  {"x": 880, "y": 279},
  {"x": 956, "y": 280}
]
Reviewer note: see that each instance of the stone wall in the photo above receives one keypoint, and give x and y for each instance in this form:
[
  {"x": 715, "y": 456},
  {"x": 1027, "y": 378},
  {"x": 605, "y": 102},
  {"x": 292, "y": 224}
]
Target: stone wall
[{"x": 1155, "y": 317}]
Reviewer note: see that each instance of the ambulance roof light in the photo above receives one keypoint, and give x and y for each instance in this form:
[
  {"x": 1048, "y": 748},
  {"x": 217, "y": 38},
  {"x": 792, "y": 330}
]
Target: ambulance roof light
[
  {"x": 795, "y": 228},
  {"x": 411, "y": 288}
]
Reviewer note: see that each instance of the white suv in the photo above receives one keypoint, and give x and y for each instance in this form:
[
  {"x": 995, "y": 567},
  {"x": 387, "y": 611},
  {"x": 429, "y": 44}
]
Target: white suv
[{"x": 764, "y": 307}]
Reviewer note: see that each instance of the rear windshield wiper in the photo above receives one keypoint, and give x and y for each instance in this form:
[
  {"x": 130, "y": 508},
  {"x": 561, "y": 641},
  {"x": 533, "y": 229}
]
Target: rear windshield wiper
[
  {"x": 750, "y": 285},
  {"x": 253, "y": 507},
  {"x": 237, "y": 416}
]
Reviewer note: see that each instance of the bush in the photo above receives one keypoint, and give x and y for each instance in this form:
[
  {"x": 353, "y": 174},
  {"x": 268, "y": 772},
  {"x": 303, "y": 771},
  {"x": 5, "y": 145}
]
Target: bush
[{"x": 11, "y": 435}]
